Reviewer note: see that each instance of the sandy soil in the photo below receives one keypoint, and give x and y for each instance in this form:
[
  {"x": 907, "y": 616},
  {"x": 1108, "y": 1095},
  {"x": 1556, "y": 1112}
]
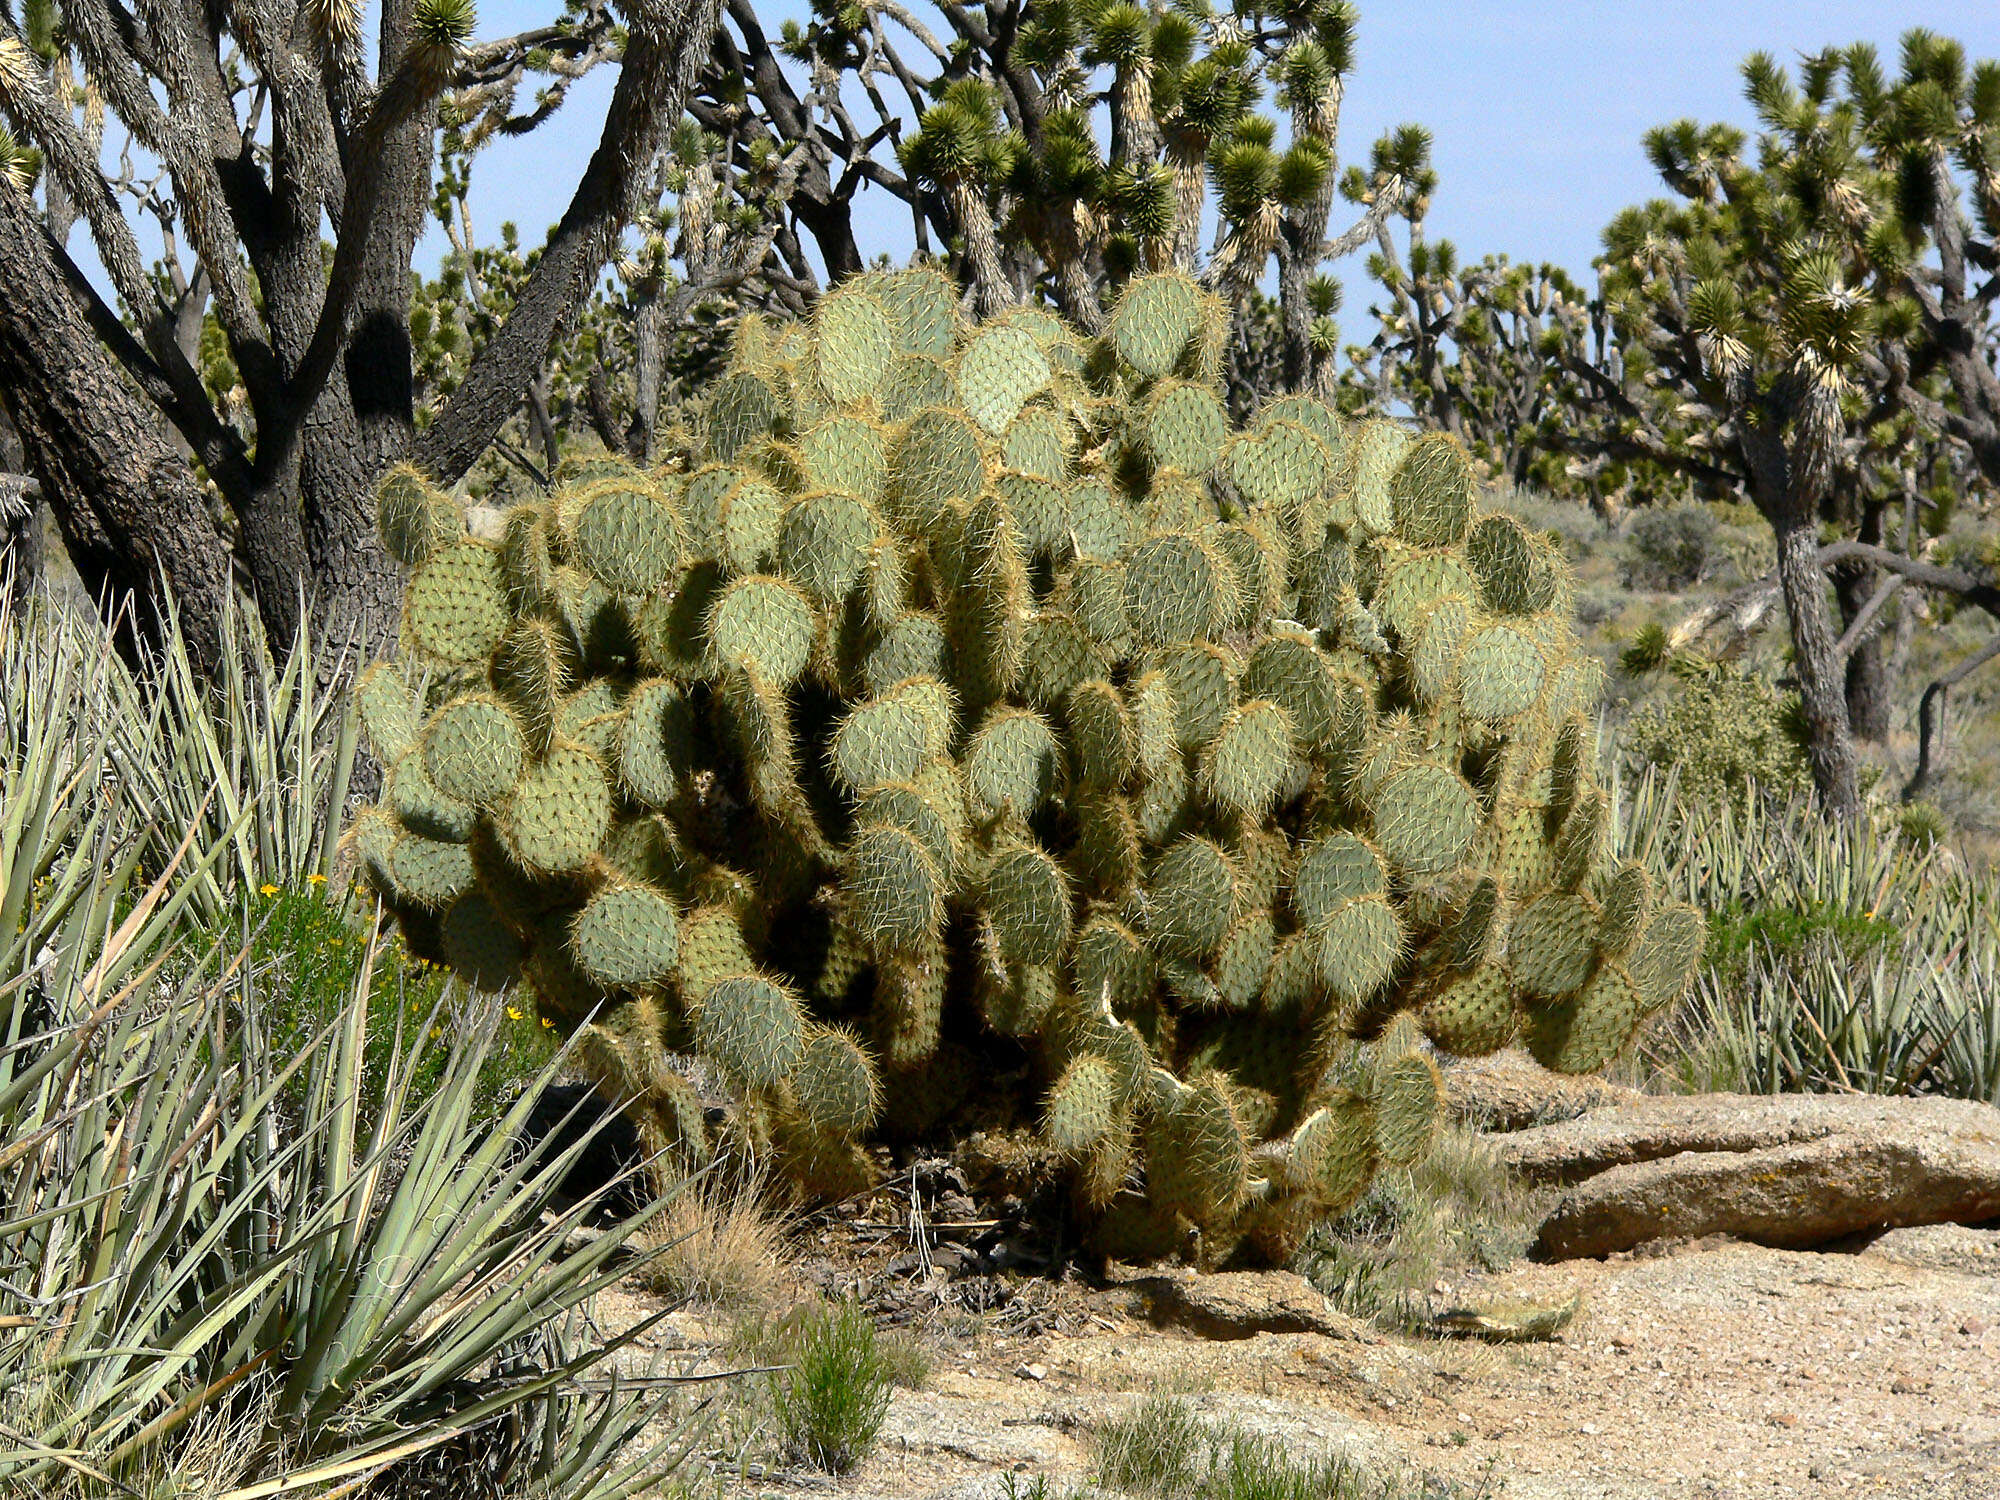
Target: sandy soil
[{"x": 1710, "y": 1369}]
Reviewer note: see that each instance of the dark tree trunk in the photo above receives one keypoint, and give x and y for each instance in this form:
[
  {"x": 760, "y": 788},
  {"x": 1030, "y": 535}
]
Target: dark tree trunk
[
  {"x": 130, "y": 509},
  {"x": 1867, "y": 684},
  {"x": 1822, "y": 690}
]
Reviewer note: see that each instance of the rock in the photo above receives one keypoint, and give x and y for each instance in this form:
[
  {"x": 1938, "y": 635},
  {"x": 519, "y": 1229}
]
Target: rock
[
  {"x": 1032, "y": 1372},
  {"x": 1511, "y": 1091},
  {"x": 1789, "y": 1171},
  {"x": 1241, "y": 1304}
]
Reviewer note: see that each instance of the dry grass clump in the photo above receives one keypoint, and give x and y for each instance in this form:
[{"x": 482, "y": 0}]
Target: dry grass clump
[{"x": 721, "y": 1246}]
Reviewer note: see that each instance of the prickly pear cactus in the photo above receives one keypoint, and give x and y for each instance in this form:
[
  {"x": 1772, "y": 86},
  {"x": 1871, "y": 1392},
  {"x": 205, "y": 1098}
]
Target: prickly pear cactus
[{"x": 967, "y": 723}]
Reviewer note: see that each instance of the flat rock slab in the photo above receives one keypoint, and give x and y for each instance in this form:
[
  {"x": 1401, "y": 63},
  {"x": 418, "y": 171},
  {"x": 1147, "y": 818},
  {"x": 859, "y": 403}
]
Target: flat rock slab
[{"x": 1790, "y": 1170}]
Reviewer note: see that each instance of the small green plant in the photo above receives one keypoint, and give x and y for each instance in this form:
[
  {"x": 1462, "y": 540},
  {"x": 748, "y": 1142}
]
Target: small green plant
[
  {"x": 1727, "y": 732},
  {"x": 1164, "y": 1451},
  {"x": 832, "y": 1401},
  {"x": 1158, "y": 1451},
  {"x": 1670, "y": 547}
]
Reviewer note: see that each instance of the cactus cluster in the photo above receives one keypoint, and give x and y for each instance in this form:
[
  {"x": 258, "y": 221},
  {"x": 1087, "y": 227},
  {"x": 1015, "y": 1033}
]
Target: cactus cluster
[{"x": 965, "y": 722}]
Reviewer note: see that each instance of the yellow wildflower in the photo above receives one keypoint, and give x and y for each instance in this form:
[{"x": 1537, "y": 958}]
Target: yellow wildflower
[
  {"x": 268, "y": 890},
  {"x": 513, "y": 1013},
  {"x": 315, "y": 879},
  {"x": 547, "y": 1024}
]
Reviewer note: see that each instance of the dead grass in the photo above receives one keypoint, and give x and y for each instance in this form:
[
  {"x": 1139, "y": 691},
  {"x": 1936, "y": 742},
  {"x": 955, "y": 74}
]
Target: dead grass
[{"x": 722, "y": 1247}]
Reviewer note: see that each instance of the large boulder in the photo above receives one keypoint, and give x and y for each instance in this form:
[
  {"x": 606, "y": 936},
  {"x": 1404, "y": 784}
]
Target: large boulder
[{"x": 1790, "y": 1170}]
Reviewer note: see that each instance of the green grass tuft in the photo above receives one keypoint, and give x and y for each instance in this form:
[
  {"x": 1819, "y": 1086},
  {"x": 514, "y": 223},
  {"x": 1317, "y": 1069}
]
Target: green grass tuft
[{"x": 832, "y": 1402}]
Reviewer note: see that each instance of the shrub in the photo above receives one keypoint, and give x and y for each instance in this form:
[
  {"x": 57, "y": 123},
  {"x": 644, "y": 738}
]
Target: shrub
[
  {"x": 392, "y": 1289},
  {"x": 1724, "y": 731},
  {"x": 832, "y": 1402},
  {"x": 958, "y": 692},
  {"x": 1164, "y": 1451},
  {"x": 1669, "y": 548},
  {"x": 718, "y": 1245}
]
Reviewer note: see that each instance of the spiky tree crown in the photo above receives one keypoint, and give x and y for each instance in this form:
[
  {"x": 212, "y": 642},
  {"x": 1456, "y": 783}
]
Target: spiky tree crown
[{"x": 967, "y": 724}]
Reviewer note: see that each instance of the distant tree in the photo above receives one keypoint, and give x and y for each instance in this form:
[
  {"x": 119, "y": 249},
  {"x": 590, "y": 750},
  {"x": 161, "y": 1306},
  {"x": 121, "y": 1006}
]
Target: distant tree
[
  {"x": 1056, "y": 147},
  {"x": 281, "y": 365}
]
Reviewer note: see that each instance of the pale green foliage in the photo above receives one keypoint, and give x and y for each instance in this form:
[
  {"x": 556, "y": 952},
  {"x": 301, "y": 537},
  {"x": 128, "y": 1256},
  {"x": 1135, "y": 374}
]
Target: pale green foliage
[
  {"x": 1185, "y": 780},
  {"x": 1726, "y": 732}
]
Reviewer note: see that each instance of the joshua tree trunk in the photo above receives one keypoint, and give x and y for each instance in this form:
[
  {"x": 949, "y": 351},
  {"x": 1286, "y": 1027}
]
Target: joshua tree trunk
[
  {"x": 1822, "y": 689},
  {"x": 128, "y": 504}
]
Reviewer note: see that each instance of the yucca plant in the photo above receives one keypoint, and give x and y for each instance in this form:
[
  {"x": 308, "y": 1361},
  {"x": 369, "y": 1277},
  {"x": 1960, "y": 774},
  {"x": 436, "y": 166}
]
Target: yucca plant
[
  {"x": 176, "y": 1247},
  {"x": 1842, "y": 956}
]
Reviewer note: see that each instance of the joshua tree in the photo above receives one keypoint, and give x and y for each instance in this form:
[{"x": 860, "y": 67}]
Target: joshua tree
[
  {"x": 266, "y": 125},
  {"x": 984, "y": 124}
]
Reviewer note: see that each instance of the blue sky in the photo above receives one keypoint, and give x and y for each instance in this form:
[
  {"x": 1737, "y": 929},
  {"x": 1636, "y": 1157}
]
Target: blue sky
[{"x": 1536, "y": 110}]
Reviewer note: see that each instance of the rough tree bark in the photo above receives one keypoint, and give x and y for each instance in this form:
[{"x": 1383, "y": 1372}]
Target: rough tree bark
[{"x": 130, "y": 510}]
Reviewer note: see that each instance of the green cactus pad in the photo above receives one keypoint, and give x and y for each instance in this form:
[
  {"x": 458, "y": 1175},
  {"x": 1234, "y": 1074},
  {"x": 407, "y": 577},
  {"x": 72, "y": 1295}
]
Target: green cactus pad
[
  {"x": 923, "y": 310},
  {"x": 753, "y": 1028},
  {"x": 1011, "y": 763},
  {"x": 1028, "y": 904},
  {"x": 764, "y": 623},
  {"x": 456, "y": 608},
  {"x": 894, "y": 888},
  {"x": 1409, "y": 1109},
  {"x": 741, "y": 411},
  {"x": 939, "y": 459},
  {"x": 414, "y": 517},
  {"x": 1359, "y": 943},
  {"x": 1037, "y": 444},
  {"x": 1192, "y": 896},
  {"x": 428, "y": 872},
  {"x": 1627, "y": 900},
  {"x": 1243, "y": 961},
  {"x": 1663, "y": 961},
  {"x": 915, "y": 382},
  {"x": 914, "y": 645},
  {"x": 999, "y": 370},
  {"x": 1177, "y": 588},
  {"x": 1333, "y": 1153},
  {"x": 656, "y": 749},
  {"x": 1378, "y": 451},
  {"x": 1102, "y": 527},
  {"x": 1185, "y": 427},
  {"x": 1196, "y": 1159},
  {"x": 474, "y": 749},
  {"x": 1246, "y": 766},
  {"x": 1552, "y": 944},
  {"x": 1585, "y": 1032},
  {"x": 1430, "y": 494},
  {"x": 1083, "y": 1107},
  {"x": 1332, "y": 870},
  {"x": 855, "y": 345},
  {"x": 835, "y": 1084},
  {"x": 559, "y": 812},
  {"x": 1474, "y": 1014},
  {"x": 1505, "y": 563},
  {"x": 847, "y": 454},
  {"x": 422, "y": 808},
  {"x": 824, "y": 544},
  {"x": 1425, "y": 820},
  {"x": 1280, "y": 467},
  {"x": 628, "y": 537},
  {"x": 1155, "y": 321},
  {"x": 1103, "y": 739},
  {"x": 1202, "y": 679},
  {"x": 388, "y": 716},
  {"x": 626, "y": 936},
  {"x": 747, "y": 522},
  {"x": 1057, "y": 653},
  {"x": 1113, "y": 964},
  {"x": 1501, "y": 675}
]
